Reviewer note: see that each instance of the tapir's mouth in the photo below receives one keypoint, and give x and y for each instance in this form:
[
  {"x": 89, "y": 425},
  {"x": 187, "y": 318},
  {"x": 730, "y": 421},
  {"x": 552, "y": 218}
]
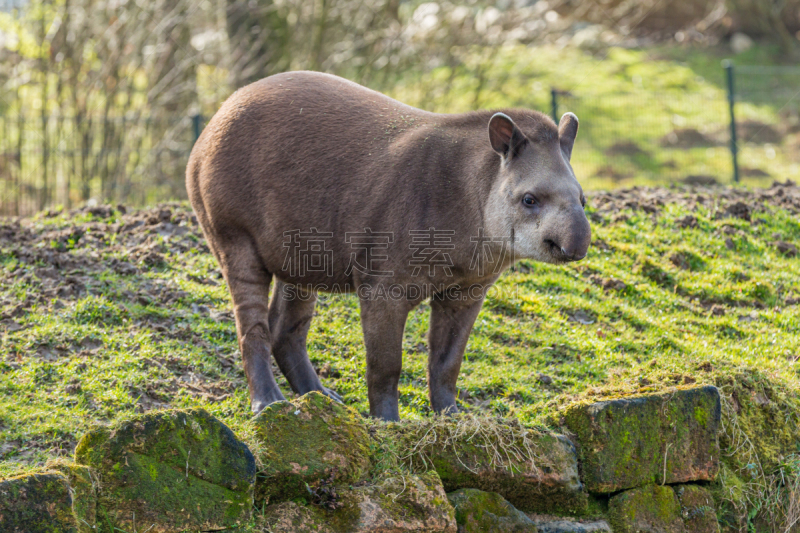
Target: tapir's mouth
[{"x": 560, "y": 255}]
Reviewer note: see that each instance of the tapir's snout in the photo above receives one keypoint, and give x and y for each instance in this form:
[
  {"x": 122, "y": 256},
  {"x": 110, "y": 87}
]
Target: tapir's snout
[{"x": 571, "y": 241}]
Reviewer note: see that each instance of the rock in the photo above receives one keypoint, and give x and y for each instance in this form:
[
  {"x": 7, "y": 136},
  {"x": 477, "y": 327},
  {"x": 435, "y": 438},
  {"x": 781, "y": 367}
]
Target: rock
[
  {"x": 630, "y": 442},
  {"x": 535, "y": 471},
  {"x": 82, "y": 482},
  {"x": 396, "y": 504},
  {"x": 170, "y": 471},
  {"x": 291, "y": 517},
  {"x": 478, "y": 511},
  {"x": 651, "y": 509},
  {"x": 310, "y": 440},
  {"x": 697, "y": 509},
  {"x": 36, "y": 503},
  {"x": 405, "y": 503},
  {"x": 571, "y": 526}
]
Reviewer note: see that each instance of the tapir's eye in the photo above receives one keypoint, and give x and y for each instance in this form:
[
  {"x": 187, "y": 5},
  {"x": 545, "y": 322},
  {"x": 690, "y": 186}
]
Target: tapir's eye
[
  {"x": 583, "y": 201},
  {"x": 529, "y": 200}
]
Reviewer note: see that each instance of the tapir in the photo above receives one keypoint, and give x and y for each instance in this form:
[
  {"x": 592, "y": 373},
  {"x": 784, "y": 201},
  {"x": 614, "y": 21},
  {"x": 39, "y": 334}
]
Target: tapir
[{"x": 319, "y": 185}]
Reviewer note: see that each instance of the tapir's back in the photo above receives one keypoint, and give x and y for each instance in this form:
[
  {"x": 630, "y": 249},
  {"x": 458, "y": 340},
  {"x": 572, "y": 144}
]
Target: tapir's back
[{"x": 305, "y": 150}]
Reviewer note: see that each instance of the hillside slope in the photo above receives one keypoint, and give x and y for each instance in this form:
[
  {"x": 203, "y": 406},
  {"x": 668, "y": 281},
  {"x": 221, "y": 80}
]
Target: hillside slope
[{"x": 105, "y": 312}]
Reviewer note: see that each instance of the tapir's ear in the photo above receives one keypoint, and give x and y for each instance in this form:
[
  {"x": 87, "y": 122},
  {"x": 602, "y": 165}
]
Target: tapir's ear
[
  {"x": 504, "y": 135},
  {"x": 567, "y": 130}
]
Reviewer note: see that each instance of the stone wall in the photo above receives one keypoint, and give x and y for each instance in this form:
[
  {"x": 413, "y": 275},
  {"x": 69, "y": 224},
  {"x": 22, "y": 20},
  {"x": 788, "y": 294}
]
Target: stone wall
[{"x": 633, "y": 464}]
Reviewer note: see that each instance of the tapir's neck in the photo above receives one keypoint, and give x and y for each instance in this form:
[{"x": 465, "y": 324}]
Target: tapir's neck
[{"x": 461, "y": 170}]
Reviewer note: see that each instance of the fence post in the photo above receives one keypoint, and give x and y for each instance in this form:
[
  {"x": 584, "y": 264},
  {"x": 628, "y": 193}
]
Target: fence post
[
  {"x": 197, "y": 126},
  {"x": 728, "y": 65},
  {"x": 554, "y": 105}
]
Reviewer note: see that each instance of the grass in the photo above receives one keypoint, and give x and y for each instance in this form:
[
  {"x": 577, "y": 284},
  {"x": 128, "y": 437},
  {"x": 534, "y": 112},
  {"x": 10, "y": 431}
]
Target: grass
[
  {"x": 629, "y": 102},
  {"x": 98, "y": 340}
]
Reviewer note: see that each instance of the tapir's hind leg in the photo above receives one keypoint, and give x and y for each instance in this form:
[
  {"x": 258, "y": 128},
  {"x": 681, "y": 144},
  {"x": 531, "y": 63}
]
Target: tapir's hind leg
[
  {"x": 290, "y": 314},
  {"x": 249, "y": 282}
]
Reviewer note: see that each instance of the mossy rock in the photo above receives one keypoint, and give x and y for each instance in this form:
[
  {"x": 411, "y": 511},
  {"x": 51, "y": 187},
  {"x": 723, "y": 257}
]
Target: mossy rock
[
  {"x": 762, "y": 429},
  {"x": 307, "y": 441},
  {"x": 765, "y": 413},
  {"x": 395, "y": 504},
  {"x": 697, "y": 509},
  {"x": 83, "y": 484},
  {"x": 170, "y": 471},
  {"x": 651, "y": 509},
  {"x": 293, "y": 517},
  {"x": 36, "y": 503},
  {"x": 405, "y": 503},
  {"x": 535, "y": 471},
  {"x": 478, "y": 511},
  {"x": 568, "y": 526},
  {"x": 730, "y": 494},
  {"x": 633, "y": 441}
]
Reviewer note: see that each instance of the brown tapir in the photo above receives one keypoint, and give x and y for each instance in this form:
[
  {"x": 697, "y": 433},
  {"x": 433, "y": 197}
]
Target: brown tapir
[{"x": 328, "y": 186}]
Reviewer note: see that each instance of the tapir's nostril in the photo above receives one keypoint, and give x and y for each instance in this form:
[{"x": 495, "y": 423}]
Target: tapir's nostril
[{"x": 572, "y": 256}]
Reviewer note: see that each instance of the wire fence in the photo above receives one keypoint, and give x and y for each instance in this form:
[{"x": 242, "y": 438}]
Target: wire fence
[
  {"x": 56, "y": 160},
  {"x": 633, "y": 137},
  {"x": 748, "y": 130}
]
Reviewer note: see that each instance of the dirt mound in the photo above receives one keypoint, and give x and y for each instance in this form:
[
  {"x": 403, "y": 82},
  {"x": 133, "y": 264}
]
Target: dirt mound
[
  {"x": 754, "y": 131},
  {"x": 625, "y": 148},
  {"x": 688, "y": 138},
  {"x": 58, "y": 260},
  {"x": 726, "y": 201}
]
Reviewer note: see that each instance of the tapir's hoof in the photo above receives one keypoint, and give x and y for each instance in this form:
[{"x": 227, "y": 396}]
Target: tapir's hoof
[
  {"x": 256, "y": 406},
  {"x": 332, "y": 395}
]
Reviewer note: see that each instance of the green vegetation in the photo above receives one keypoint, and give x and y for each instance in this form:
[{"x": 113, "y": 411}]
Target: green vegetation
[
  {"x": 648, "y": 116},
  {"x": 106, "y": 315},
  {"x": 304, "y": 443}
]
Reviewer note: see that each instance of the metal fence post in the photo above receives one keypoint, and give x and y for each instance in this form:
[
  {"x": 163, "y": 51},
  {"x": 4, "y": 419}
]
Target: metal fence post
[
  {"x": 554, "y": 105},
  {"x": 728, "y": 65},
  {"x": 197, "y": 126}
]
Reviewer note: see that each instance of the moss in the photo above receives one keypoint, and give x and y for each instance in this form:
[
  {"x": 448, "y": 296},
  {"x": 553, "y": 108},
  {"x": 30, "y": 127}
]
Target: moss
[
  {"x": 730, "y": 495},
  {"x": 759, "y": 443},
  {"x": 291, "y": 517},
  {"x": 697, "y": 509},
  {"x": 401, "y": 503},
  {"x": 172, "y": 470},
  {"x": 701, "y": 416},
  {"x": 36, "y": 503},
  {"x": 417, "y": 498},
  {"x": 83, "y": 487},
  {"x": 648, "y": 509},
  {"x": 535, "y": 471},
  {"x": 675, "y": 433},
  {"x": 305, "y": 442},
  {"x": 477, "y": 511},
  {"x": 762, "y": 413}
]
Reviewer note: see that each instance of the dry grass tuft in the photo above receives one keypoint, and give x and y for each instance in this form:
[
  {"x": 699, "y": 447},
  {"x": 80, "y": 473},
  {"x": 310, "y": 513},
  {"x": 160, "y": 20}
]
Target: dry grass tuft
[{"x": 500, "y": 443}]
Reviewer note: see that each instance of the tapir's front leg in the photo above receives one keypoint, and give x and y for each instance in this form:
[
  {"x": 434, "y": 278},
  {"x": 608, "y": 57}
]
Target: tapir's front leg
[
  {"x": 383, "y": 321},
  {"x": 450, "y": 325}
]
